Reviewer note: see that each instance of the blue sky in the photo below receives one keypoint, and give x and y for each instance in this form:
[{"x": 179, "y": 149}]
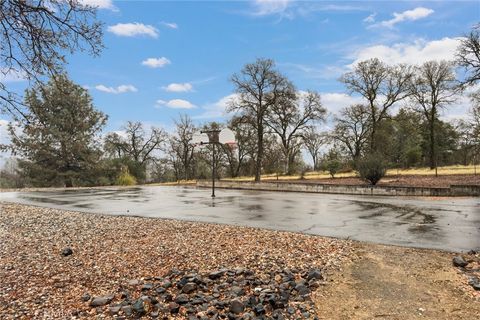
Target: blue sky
[{"x": 163, "y": 58}]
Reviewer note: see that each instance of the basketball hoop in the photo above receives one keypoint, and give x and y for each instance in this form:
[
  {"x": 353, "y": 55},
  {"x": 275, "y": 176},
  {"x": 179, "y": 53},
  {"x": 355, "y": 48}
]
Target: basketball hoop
[
  {"x": 199, "y": 139},
  {"x": 226, "y": 136},
  {"x": 213, "y": 137}
]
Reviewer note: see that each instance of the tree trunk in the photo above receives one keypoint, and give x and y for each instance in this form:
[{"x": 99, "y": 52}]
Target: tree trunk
[
  {"x": 286, "y": 168},
  {"x": 68, "y": 182},
  {"x": 373, "y": 144},
  {"x": 258, "y": 169},
  {"x": 433, "y": 158}
]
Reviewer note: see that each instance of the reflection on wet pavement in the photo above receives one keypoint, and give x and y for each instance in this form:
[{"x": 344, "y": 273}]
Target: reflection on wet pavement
[{"x": 447, "y": 223}]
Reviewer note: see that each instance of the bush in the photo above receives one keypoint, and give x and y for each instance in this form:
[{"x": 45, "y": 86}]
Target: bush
[
  {"x": 125, "y": 179},
  {"x": 372, "y": 168},
  {"x": 333, "y": 166}
]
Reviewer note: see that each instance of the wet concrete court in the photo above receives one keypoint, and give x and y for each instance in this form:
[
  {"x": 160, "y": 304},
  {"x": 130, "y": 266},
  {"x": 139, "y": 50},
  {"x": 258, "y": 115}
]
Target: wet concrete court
[{"x": 446, "y": 223}]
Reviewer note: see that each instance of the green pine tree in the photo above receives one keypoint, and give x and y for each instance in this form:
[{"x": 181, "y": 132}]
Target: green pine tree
[{"x": 57, "y": 140}]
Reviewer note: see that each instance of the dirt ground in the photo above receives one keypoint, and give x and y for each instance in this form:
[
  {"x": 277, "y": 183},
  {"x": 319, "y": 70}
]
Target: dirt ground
[
  {"x": 386, "y": 282},
  {"x": 402, "y": 180}
]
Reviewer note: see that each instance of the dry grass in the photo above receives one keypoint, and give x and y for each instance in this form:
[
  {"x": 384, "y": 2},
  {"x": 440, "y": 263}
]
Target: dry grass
[{"x": 314, "y": 175}]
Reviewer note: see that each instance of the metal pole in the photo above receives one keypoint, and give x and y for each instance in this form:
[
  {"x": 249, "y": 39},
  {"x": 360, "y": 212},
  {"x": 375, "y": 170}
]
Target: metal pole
[{"x": 213, "y": 171}]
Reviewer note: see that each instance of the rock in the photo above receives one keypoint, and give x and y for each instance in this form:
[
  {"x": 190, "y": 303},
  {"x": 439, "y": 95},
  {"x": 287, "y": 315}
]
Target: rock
[
  {"x": 101, "y": 301},
  {"x": 166, "y": 284},
  {"x": 236, "y": 306},
  {"x": 67, "y": 252},
  {"x": 138, "y": 307},
  {"x": 181, "y": 299},
  {"x": 147, "y": 286},
  {"x": 215, "y": 275},
  {"x": 173, "y": 307},
  {"x": 237, "y": 291},
  {"x": 459, "y": 261},
  {"x": 259, "y": 309},
  {"x": 474, "y": 282},
  {"x": 302, "y": 289},
  {"x": 314, "y": 274},
  {"x": 114, "y": 310},
  {"x": 182, "y": 282},
  {"x": 127, "y": 310},
  {"x": 189, "y": 287},
  {"x": 168, "y": 297},
  {"x": 197, "y": 301},
  {"x": 86, "y": 297}
]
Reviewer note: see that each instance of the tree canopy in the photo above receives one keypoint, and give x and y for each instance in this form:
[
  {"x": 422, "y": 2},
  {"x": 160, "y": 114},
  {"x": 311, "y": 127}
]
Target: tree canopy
[{"x": 58, "y": 139}]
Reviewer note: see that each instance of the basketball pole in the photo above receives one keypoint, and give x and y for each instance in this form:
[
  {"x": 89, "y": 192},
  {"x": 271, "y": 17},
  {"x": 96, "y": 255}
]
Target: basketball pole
[
  {"x": 214, "y": 139},
  {"x": 213, "y": 170}
]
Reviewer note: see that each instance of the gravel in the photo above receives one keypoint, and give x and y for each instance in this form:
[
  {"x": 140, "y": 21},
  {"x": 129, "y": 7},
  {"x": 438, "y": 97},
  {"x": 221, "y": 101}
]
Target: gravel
[{"x": 131, "y": 266}]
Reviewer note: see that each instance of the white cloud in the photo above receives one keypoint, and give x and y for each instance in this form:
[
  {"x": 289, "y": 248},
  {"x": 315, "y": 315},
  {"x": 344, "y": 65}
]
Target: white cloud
[
  {"x": 171, "y": 25},
  {"x": 120, "y": 89},
  {"x": 268, "y": 7},
  {"x": 11, "y": 75},
  {"x": 156, "y": 62},
  {"x": 175, "y": 104},
  {"x": 334, "y": 101},
  {"x": 133, "y": 29},
  {"x": 216, "y": 109},
  {"x": 178, "y": 87},
  {"x": 409, "y": 15},
  {"x": 370, "y": 18},
  {"x": 416, "y": 52},
  {"x": 100, "y": 4}
]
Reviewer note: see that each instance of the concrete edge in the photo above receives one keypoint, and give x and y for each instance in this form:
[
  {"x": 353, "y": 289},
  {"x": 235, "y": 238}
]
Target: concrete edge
[{"x": 452, "y": 191}]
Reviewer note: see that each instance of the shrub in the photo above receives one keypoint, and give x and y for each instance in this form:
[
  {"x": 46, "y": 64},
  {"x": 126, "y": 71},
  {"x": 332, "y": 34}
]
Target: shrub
[
  {"x": 125, "y": 179},
  {"x": 333, "y": 166},
  {"x": 372, "y": 168}
]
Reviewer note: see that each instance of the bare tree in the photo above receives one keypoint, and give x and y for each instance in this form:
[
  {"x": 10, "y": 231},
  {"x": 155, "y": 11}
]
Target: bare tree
[
  {"x": 466, "y": 140},
  {"x": 36, "y": 34},
  {"x": 475, "y": 123},
  {"x": 138, "y": 144},
  {"x": 468, "y": 56},
  {"x": 259, "y": 86},
  {"x": 475, "y": 111},
  {"x": 381, "y": 85},
  {"x": 352, "y": 129},
  {"x": 432, "y": 88},
  {"x": 290, "y": 118},
  {"x": 245, "y": 145},
  {"x": 313, "y": 142},
  {"x": 181, "y": 147}
]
